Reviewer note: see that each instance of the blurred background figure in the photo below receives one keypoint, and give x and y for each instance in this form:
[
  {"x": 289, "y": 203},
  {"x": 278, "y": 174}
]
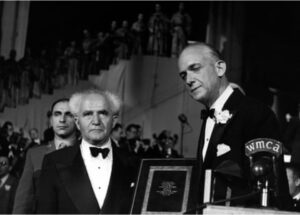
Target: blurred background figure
[
  {"x": 117, "y": 133},
  {"x": 158, "y": 32},
  {"x": 291, "y": 136},
  {"x": 72, "y": 55},
  {"x": 293, "y": 175},
  {"x": 131, "y": 141},
  {"x": 124, "y": 41},
  {"x": 139, "y": 30},
  {"x": 8, "y": 184},
  {"x": 34, "y": 138},
  {"x": 13, "y": 71},
  {"x": 181, "y": 24},
  {"x": 86, "y": 55},
  {"x": 165, "y": 145}
]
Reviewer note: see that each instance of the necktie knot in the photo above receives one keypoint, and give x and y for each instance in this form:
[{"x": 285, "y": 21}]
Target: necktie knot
[
  {"x": 95, "y": 151},
  {"x": 205, "y": 113}
]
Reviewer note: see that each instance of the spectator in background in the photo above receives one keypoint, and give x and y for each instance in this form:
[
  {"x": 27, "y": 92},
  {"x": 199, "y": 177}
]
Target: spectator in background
[
  {"x": 124, "y": 40},
  {"x": 72, "y": 55},
  {"x": 34, "y": 138},
  {"x": 293, "y": 175},
  {"x": 26, "y": 67},
  {"x": 110, "y": 45},
  {"x": 3, "y": 84},
  {"x": 8, "y": 135},
  {"x": 8, "y": 184},
  {"x": 98, "y": 53},
  {"x": 139, "y": 30},
  {"x": 181, "y": 24},
  {"x": 59, "y": 66},
  {"x": 45, "y": 70},
  {"x": 64, "y": 129},
  {"x": 164, "y": 145},
  {"x": 291, "y": 136},
  {"x": 48, "y": 134},
  {"x": 158, "y": 33},
  {"x": 13, "y": 70},
  {"x": 131, "y": 141},
  {"x": 117, "y": 133},
  {"x": 86, "y": 55}
]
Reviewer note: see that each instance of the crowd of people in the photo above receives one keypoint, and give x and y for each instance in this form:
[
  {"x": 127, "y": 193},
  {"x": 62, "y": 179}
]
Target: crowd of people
[{"x": 40, "y": 73}]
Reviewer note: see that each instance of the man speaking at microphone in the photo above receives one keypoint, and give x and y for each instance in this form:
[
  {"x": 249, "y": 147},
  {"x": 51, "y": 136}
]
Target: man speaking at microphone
[
  {"x": 228, "y": 122},
  {"x": 93, "y": 176}
]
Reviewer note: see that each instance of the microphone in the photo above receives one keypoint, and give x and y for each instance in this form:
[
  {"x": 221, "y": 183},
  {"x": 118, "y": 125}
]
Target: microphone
[
  {"x": 263, "y": 155},
  {"x": 183, "y": 119}
]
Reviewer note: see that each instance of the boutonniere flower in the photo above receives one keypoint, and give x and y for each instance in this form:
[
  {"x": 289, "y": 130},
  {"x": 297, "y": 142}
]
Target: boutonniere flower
[
  {"x": 222, "y": 117},
  {"x": 7, "y": 187}
]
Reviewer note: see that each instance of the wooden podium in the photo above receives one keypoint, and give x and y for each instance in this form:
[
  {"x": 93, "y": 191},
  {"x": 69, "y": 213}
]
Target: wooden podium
[{"x": 214, "y": 209}]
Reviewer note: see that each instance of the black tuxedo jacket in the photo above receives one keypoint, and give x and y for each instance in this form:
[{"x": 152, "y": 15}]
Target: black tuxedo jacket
[
  {"x": 65, "y": 186},
  {"x": 250, "y": 119}
]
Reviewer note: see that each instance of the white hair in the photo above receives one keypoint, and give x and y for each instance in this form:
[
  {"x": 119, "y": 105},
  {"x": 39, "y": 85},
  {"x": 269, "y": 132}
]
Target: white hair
[{"x": 77, "y": 98}]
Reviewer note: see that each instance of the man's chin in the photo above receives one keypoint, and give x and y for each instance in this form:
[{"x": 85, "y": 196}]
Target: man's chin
[
  {"x": 99, "y": 140},
  {"x": 63, "y": 134},
  {"x": 196, "y": 97}
]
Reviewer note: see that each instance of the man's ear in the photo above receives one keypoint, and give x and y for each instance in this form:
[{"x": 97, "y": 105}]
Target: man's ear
[
  {"x": 114, "y": 120},
  {"x": 76, "y": 122},
  {"x": 297, "y": 182},
  {"x": 220, "y": 67},
  {"x": 51, "y": 121}
]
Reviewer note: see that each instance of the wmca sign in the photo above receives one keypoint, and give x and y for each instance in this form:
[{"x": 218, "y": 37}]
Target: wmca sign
[{"x": 263, "y": 145}]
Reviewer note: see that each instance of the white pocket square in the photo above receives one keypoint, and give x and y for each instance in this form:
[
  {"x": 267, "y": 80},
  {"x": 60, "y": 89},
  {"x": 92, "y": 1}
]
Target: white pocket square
[{"x": 222, "y": 149}]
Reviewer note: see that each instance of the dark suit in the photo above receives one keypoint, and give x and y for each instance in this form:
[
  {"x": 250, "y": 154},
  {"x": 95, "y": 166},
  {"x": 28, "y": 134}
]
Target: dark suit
[
  {"x": 250, "y": 119},
  {"x": 65, "y": 186},
  {"x": 25, "y": 199},
  {"x": 7, "y": 193}
]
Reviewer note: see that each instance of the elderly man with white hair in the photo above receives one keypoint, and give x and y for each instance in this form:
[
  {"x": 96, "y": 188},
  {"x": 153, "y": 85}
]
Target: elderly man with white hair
[{"x": 93, "y": 176}]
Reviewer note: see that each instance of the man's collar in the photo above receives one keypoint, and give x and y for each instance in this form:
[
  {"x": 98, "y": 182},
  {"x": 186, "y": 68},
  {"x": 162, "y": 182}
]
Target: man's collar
[
  {"x": 4, "y": 179},
  {"x": 219, "y": 103},
  {"x": 65, "y": 142},
  {"x": 107, "y": 144},
  {"x": 297, "y": 197}
]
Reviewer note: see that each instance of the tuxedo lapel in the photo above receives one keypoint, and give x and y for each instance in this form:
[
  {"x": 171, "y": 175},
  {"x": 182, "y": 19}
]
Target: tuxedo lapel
[
  {"x": 78, "y": 185},
  {"x": 50, "y": 147},
  {"x": 201, "y": 143},
  {"x": 114, "y": 191},
  {"x": 216, "y": 135},
  {"x": 231, "y": 105}
]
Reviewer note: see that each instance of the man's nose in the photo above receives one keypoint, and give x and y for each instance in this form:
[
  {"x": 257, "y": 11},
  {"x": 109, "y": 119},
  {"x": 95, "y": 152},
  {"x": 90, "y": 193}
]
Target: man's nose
[
  {"x": 189, "y": 79},
  {"x": 62, "y": 118},
  {"x": 96, "y": 119}
]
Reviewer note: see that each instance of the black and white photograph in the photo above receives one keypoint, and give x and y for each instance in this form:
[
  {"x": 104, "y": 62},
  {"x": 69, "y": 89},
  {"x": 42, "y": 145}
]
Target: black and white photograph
[{"x": 91, "y": 91}]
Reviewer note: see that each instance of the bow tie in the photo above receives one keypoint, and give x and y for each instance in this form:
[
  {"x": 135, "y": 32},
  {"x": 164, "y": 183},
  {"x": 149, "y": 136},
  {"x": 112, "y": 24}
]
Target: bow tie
[
  {"x": 205, "y": 113},
  {"x": 95, "y": 151}
]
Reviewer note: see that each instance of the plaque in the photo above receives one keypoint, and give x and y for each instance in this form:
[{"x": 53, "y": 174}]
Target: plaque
[{"x": 165, "y": 186}]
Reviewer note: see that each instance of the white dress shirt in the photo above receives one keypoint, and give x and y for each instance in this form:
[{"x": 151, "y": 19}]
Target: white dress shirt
[
  {"x": 98, "y": 169},
  {"x": 210, "y": 123}
]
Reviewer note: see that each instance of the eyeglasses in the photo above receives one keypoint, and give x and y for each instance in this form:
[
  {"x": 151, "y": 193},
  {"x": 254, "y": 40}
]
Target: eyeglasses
[{"x": 3, "y": 163}]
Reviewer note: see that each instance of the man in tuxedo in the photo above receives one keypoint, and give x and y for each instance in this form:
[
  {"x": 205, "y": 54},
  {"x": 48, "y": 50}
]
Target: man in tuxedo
[
  {"x": 64, "y": 128},
  {"x": 229, "y": 121},
  {"x": 8, "y": 184},
  {"x": 93, "y": 176}
]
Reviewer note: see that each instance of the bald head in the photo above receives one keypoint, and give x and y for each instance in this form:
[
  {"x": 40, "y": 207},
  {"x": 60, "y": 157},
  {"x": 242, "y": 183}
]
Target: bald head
[
  {"x": 204, "y": 49},
  {"x": 203, "y": 71}
]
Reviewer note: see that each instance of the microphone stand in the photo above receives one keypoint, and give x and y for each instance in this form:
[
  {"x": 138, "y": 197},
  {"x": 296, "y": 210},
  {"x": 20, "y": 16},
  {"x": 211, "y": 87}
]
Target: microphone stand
[{"x": 181, "y": 137}]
